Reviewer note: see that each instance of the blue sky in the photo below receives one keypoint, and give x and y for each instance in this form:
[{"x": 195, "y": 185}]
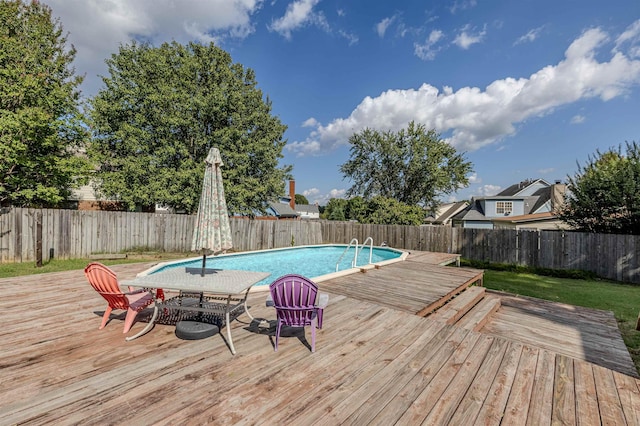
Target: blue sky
[{"x": 525, "y": 88}]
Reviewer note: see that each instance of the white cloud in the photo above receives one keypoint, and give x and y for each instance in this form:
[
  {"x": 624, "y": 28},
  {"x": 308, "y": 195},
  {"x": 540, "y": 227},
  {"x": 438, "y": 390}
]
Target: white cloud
[
  {"x": 630, "y": 35},
  {"x": 474, "y": 117},
  {"x": 466, "y": 38},
  {"x": 315, "y": 196},
  {"x": 428, "y": 51},
  {"x": 488, "y": 190},
  {"x": 310, "y": 122},
  {"x": 97, "y": 27},
  {"x": 577, "y": 119},
  {"x": 462, "y": 5},
  {"x": 381, "y": 27},
  {"x": 298, "y": 14},
  {"x": 352, "y": 38},
  {"x": 529, "y": 37},
  {"x": 474, "y": 178},
  {"x": 337, "y": 193}
]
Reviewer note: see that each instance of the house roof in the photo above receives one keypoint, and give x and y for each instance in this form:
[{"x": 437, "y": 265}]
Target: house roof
[
  {"x": 307, "y": 208},
  {"x": 517, "y": 187},
  {"x": 451, "y": 212},
  {"x": 283, "y": 210},
  {"x": 472, "y": 212},
  {"x": 544, "y": 195}
]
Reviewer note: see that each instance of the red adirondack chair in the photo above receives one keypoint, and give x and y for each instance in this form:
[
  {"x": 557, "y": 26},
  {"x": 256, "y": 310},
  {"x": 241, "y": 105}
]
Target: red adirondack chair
[
  {"x": 105, "y": 282},
  {"x": 294, "y": 298}
]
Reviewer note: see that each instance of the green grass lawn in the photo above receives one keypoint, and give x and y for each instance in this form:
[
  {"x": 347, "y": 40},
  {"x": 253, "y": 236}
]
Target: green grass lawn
[
  {"x": 8, "y": 270},
  {"x": 623, "y": 300}
]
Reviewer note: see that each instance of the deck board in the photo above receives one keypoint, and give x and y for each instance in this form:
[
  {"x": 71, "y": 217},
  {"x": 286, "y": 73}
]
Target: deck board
[{"x": 374, "y": 364}]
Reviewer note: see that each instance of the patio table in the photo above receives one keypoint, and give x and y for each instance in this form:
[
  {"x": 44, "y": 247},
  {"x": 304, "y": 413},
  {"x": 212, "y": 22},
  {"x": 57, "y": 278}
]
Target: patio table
[{"x": 223, "y": 285}]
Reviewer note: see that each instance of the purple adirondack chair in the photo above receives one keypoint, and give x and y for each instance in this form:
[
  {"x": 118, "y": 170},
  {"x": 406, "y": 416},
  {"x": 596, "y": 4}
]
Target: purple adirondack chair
[{"x": 294, "y": 298}]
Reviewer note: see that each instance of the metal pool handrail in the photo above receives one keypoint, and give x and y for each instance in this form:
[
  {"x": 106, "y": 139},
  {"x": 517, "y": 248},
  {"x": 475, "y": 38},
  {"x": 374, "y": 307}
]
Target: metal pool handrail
[
  {"x": 353, "y": 262},
  {"x": 355, "y": 258}
]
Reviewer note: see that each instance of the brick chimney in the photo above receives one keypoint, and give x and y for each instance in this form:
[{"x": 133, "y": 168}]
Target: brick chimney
[{"x": 292, "y": 194}]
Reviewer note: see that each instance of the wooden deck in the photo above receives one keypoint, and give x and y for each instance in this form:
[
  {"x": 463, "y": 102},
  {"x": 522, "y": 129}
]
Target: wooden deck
[
  {"x": 415, "y": 286},
  {"x": 374, "y": 364},
  {"x": 587, "y": 334}
]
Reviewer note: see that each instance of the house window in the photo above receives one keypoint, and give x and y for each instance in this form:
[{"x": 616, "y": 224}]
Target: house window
[{"x": 504, "y": 207}]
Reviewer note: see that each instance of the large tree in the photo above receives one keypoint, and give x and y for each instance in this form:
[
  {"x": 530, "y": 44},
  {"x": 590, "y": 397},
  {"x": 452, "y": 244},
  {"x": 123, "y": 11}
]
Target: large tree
[
  {"x": 413, "y": 166},
  {"x": 161, "y": 110},
  {"x": 301, "y": 199},
  {"x": 378, "y": 210},
  {"x": 40, "y": 125},
  {"x": 604, "y": 195}
]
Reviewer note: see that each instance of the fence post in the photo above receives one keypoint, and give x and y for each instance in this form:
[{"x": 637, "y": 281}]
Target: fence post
[{"x": 37, "y": 221}]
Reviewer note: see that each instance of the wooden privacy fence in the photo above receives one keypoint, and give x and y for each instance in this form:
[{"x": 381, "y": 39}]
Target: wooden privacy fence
[
  {"x": 76, "y": 234},
  {"x": 67, "y": 234},
  {"x": 612, "y": 256}
]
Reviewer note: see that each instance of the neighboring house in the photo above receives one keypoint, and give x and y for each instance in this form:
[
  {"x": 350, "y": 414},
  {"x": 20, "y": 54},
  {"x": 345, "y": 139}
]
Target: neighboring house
[
  {"x": 84, "y": 198},
  {"x": 526, "y": 205},
  {"x": 286, "y": 208},
  {"x": 445, "y": 213},
  {"x": 279, "y": 210},
  {"x": 308, "y": 211}
]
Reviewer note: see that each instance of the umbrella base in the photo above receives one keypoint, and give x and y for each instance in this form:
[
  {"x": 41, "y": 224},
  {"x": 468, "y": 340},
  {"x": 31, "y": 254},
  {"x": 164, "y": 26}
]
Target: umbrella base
[{"x": 195, "y": 330}]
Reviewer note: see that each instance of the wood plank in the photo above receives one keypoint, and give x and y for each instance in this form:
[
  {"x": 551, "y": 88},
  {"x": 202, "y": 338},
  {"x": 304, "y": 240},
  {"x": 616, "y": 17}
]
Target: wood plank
[
  {"x": 608, "y": 400},
  {"x": 517, "y": 408},
  {"x": 629, "y": 394},
  {"x": 540, "y": 408},
  {"x": 494, "y": 405},
  {"x": 586, "y": 393},
  {"x": 468, "y": 409},
  {"x": 453, "y": 395},
  {"x": 402, "y": 402},
  {"x": 427, "y": 399},
  {"x": 564, "y": 398}
]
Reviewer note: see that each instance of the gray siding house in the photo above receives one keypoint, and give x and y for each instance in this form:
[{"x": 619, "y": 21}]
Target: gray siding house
[{"x": 526, "y": 205}]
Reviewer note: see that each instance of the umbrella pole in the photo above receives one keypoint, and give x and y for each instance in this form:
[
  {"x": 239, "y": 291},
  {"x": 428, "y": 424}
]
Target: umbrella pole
[{"x": 204, "y": 261}]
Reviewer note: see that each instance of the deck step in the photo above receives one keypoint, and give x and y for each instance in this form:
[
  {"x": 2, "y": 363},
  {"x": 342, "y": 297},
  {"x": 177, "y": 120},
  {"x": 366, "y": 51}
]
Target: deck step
[
  {"x": 459, "y": 305},
  {"x": 480, "y": 314}
]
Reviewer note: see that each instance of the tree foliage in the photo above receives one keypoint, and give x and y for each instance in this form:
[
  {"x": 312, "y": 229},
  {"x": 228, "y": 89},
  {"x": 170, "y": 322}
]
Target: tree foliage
[
  {"x": 413, "y": 166},
  {"x": 335, "y": 209},
  {"x": 301, "y": 199},
  {"x": 40, "y": 124},
  {"x": 378, "y": 210},
  {"x": 604, "y": 195},
  {"x": 161, "y": 110}
]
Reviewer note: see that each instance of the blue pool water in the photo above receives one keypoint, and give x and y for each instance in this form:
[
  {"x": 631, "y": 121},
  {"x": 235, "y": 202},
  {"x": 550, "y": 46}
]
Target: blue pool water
[{"x": 309, "y": 261}]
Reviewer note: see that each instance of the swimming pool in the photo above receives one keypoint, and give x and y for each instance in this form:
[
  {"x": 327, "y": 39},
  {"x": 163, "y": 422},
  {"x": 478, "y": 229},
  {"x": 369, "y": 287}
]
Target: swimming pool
[{"x": 317, "y": 262}]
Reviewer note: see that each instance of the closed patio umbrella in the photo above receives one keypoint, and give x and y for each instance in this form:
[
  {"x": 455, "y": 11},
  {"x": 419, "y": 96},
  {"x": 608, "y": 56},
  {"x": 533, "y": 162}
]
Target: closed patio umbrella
[{"x": 212, "y": 231}]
